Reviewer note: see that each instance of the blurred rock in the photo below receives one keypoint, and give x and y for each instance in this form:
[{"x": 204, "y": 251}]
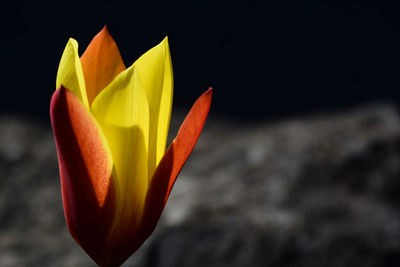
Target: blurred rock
[{"x": 316, "y": 191}]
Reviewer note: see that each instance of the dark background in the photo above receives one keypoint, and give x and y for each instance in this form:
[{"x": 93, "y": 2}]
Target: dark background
[
  {"x": 308, "y": 191},
  {"x": 264, "y": 60}
]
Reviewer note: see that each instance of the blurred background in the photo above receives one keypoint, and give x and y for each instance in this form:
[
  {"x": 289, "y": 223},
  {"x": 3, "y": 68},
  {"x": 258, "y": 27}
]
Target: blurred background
[{"x": 298, "y": 164}]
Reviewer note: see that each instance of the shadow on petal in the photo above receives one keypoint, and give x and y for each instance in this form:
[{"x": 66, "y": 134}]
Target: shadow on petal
[{"x": 87, "y": 186}]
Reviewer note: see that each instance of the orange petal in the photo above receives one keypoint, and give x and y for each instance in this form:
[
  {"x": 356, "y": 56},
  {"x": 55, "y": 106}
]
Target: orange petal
[
  {"x": 181, "y": 147},
  {"x": 167, "y": 172},
  {"x": 85, "y": 171},
  {"x": 101, "y": 63}
]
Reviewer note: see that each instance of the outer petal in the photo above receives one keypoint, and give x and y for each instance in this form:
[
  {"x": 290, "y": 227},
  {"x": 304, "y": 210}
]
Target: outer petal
[
  {"x": 70, "y": 74},
  {"x": 178, "y": 152},
  {"x": 155, "y": 72},
  {"x": 101, "y": 63},
  {"x": 85, "y": 169},
  {"x": 167, "y": 172}
]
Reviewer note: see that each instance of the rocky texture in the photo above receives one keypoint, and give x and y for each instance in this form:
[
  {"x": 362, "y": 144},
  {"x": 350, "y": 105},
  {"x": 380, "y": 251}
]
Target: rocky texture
[{"x": 316, "y": 191}]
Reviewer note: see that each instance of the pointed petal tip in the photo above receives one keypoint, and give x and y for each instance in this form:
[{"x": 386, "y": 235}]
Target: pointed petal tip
[
  {"x": 72, "y": 41},
  {"x": 59, "y": 90},
  {"x": 105, "y": 30},
  {"x": 56, "y": 98},
  {"x": 204, "y": 101},
  {"x": 55, "y": 95},
  {"x": 173, "y": 160},
  {"x": 101, "y": 63},
  {"x": 165, "y": 41},
  {"x": 61, "y": 87}
]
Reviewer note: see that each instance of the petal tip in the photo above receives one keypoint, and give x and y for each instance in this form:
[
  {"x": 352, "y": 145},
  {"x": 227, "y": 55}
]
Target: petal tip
[
  {"x": 165, "y": 42},
  {"x": 207, "y": 97},
  {"x": 60, "y": 92},
  {"x": 62, "y": 87},
  {"x": 72, "y": 41},
  {"x": 105, "y": 30}
]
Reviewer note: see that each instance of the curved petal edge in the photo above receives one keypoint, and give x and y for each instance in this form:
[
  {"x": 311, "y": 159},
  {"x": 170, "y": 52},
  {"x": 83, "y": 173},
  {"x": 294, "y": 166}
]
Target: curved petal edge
[
  {"x": 168, "y": 169},
  {"x": 85, "y": 171}
]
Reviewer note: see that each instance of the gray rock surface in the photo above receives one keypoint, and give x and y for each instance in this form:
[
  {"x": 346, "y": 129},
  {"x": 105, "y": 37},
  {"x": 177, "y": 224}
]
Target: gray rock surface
[{"x": 321, "y": 190}]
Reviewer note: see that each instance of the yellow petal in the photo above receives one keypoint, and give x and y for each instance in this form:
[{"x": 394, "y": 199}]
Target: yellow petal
[
  {"x": 122, "y": 112},
  {"x": 70, "y": 73},
  {"x": 155, "y": 71}
]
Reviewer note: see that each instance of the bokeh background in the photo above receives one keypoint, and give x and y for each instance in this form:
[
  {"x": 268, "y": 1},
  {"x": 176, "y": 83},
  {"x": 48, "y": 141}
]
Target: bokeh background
[{"x": 298, "y": 164}]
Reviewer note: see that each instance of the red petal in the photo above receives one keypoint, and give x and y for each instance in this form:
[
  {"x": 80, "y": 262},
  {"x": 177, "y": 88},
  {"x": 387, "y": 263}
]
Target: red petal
[
  {"x": 183, "y": 144},
  {"x": 168, "y": 169},
  {"x": 177, "y": 153},
  {"x": 85, "y": 171}
]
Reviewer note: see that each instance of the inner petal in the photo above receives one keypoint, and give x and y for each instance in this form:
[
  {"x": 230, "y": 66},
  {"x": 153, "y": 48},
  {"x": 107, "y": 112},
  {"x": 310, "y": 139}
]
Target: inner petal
[
  {"x": 70, "y": 73},
  {"x": 122, "y": 112},
  {"x": 101, "y": 63},
  {"x": 155, "y": 71}
]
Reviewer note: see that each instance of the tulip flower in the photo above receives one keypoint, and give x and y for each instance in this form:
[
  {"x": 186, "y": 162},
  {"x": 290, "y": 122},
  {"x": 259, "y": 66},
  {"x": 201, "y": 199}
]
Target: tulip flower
[{"x": 110, "y": 125}]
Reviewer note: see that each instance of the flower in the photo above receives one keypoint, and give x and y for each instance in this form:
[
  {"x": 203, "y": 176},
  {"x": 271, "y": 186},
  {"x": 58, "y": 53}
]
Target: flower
[{"x": 110, "y": 126}]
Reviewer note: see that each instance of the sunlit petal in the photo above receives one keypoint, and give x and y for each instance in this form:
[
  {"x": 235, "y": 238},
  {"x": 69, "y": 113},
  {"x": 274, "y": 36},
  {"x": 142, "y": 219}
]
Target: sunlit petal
[
  {"x": 122, "y": 111},
  {"x": 85, "y": 168},
  {"x": 155, "y": 72},
  {"x": 173, "y": 161},
  {"x": 70, "y": 74},
  {"x": 101, "y": 63}
]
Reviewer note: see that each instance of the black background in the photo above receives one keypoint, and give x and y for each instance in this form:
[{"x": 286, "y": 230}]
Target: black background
[{"x": 264, "y": 59}]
